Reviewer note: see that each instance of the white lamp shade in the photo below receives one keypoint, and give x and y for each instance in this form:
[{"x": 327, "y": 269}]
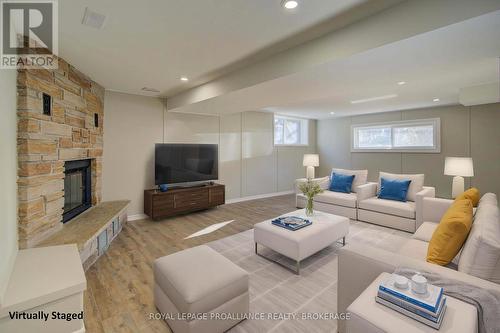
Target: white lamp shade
[
  {"x": 311, "y": 160},
  {"x": 458, "y": 166}
]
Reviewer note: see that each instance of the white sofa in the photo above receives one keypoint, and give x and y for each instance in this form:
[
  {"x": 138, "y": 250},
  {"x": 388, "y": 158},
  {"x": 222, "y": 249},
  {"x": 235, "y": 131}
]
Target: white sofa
[
  {"x": 406, "y": 216},
  {"x": 363, "y": 204},
  {"x": 477, "y": 264},
  {"x": 343, "y": 204}
]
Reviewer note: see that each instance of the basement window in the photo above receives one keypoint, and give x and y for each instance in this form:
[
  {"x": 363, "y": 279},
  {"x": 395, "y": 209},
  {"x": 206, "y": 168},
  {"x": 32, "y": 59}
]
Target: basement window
[
  {"x": 421, "y": 135},
  {"x": 289, "y": 131}
]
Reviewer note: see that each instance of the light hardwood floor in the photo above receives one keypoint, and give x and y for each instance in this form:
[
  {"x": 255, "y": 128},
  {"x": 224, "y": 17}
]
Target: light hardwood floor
[{"x": 119, "y": 294}]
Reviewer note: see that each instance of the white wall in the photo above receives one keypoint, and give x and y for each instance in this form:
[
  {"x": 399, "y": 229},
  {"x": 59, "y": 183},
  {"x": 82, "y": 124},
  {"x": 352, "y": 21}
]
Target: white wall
[
  {"x": 249, "y": 163},
  {"x": 8, "y": 176},
  {"x": 132, "y": 125},
  {"x": 230, "y": 154},
  {"x": 258, "y": 156},
  {"x": 191, "y": 128}
]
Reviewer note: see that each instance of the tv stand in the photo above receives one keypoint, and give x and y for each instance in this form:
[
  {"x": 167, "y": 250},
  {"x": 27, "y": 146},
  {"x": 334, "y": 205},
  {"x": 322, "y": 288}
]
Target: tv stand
[{"x": 182, "y": 200}]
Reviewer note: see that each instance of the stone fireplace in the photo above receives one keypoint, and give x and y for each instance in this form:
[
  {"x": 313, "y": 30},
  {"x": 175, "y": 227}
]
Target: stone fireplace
[{"x": 60, "y": 120}]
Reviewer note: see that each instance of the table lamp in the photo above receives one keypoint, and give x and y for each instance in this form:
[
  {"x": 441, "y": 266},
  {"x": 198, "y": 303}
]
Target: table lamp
[
  {"x": 310, "y": 161},
  {"x": 459, "y": 167}
]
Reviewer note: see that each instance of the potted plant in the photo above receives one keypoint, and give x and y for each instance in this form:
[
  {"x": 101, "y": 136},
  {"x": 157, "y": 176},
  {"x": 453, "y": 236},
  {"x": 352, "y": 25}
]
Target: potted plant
[{"x": 310, "y": 189}]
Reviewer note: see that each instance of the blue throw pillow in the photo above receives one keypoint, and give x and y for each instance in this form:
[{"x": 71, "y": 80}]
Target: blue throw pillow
[
  {"x": 341, "y": 183},
  {"x": 393, "y": 189}
]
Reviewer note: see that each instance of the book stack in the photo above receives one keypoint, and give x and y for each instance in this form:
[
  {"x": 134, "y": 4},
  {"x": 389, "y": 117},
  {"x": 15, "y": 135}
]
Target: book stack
[
  {"x": 427, "y": 308},
  {"x": 291, "y": 222}
]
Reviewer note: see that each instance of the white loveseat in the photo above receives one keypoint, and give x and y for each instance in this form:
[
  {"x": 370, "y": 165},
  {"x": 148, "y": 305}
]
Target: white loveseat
[
  {"x": 363, "y": 204},
  {"x": 343, "y": 204},
  {"x": 478, "y": 262},
  {"x": 406, "y": 216}
]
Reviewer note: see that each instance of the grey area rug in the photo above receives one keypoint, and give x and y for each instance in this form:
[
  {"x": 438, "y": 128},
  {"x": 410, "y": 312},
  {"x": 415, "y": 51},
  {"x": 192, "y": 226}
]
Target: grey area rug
[{"x": 297, "y": 300}]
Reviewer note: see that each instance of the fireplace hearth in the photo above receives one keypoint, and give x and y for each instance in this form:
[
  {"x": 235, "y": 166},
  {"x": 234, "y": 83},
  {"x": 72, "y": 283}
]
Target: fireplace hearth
[{"x": 77, "y": 188}]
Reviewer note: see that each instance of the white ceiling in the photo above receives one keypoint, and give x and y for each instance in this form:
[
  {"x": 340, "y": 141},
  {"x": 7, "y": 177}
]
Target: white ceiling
[
  {"x": 435, "y": 64},
  {"x": 153, "y": 43}
]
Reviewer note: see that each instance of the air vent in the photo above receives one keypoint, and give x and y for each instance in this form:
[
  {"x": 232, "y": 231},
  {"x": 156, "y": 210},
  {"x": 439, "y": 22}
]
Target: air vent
[
  {"x": 93, "y": 19},
  {"x": 153, "y": 90}
]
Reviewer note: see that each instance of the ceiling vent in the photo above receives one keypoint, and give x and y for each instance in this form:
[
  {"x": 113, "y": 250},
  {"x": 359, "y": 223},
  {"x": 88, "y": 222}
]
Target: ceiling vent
[
  {"x": 93, "y": 19},
  {"x": 153, "y": 90}
]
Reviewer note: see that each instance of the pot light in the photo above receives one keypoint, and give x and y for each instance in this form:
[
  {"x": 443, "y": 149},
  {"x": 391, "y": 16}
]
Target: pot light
[
  {"x": 184, "y": 79},
  {"x": 435, "y": 100},
  {"x": 289, "y": 4},
  {"x": 332, "y": 113},
  {"x": 402, "y": 83},
  {"x": 372, "y": 99}
]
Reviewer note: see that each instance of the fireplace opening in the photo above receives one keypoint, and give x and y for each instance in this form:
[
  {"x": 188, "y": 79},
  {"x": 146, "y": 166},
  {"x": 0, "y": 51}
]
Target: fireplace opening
[{"x": 77, "y": 188}]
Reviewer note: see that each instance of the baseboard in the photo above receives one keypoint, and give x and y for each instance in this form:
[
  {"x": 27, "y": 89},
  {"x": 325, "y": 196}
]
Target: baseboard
[
  {"x": 260, "y": 196},
  {"x": 136, "y": 217}
]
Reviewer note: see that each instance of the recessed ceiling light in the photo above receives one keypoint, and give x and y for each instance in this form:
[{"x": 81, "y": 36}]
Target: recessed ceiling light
[
  {"x": 332, "y": 113},
  {"x": 435, "y": 100},
  {"x": 185, "y": 79},
  {"x": 289, "y": 4},
  {"x": 372, "y": 99},
  {"x": 402, "y": 83}
]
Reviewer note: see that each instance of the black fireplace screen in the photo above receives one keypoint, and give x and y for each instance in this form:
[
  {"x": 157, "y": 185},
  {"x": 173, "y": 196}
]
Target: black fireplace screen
[{"x": 77, "y": 188}]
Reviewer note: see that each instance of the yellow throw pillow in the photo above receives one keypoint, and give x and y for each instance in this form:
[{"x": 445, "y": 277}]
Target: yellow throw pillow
[
  {"x": 472, "y": 194},
  {"x": 451, "y": 233}
]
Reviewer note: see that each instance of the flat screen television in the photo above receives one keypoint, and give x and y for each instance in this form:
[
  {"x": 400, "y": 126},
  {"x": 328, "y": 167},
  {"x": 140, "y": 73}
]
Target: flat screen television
[{"x": 185, "y": 163}]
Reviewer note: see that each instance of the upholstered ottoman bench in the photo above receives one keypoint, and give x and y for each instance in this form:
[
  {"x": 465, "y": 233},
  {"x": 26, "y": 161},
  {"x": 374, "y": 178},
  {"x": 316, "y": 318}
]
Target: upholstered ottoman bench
[
  {"x": 297, "y": 245},
  {"x": 200, "y": 290}
]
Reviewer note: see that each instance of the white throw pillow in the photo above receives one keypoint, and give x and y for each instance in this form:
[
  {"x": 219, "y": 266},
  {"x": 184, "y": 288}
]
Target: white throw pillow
[
  {"x": 416, "y": 184},
  {"x": 481, "y": 253},
  {"x": 360, "y": 177}
]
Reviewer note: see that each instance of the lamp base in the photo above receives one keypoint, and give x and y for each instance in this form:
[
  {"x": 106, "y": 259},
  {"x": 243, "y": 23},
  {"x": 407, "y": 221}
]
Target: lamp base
[
  {"x": 457, "y": 187},
  {"x": 310, "y": 172}
]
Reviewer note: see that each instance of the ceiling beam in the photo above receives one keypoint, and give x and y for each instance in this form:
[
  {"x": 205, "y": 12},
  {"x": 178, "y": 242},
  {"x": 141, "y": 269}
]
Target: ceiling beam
[{"x": 405, "y": 20}]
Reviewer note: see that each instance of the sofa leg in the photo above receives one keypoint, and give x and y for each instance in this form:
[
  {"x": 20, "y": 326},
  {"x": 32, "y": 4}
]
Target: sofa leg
[{"x": 343, "y": 240}]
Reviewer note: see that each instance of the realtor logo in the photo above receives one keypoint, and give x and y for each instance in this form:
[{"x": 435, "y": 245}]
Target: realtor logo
[{"x": 28, "y": 34}]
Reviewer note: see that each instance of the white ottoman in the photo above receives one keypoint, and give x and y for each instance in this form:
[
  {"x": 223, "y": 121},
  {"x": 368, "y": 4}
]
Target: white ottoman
[
  {"x": 199, "y": 281},
  {"x": 325, "y": 230}
]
